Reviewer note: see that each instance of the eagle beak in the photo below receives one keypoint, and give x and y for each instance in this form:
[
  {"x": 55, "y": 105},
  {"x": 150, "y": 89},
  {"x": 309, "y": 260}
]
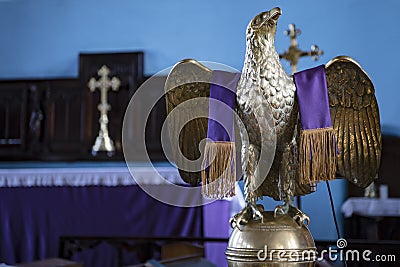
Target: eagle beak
[
  {"x": 264, "y": 17},
  {"x": 275, "y": 13}
]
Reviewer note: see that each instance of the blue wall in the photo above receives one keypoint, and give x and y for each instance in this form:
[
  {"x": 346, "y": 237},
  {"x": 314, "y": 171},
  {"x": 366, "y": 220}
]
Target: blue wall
[{"x": 42, "y": 38}]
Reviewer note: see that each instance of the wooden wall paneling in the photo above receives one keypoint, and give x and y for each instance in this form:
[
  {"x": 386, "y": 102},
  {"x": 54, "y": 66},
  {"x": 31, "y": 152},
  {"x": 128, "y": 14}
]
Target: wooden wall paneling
[
  {"x": 36, "y": 116},
  {"x": 128, "y": 68},
  {"x": 156, "y": 119},
  {"x": 388, "y": 170},
  {"x": 66, "y": 135},
  {"x": 13, "y": 119},
  {"x": 58, "y": 119}
]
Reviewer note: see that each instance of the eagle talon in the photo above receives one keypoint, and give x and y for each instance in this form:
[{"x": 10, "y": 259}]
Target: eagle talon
[
  {"x": 300, "y": 217},
  {"x": 259, "y": 94},
  {"x": 281, "y": 210},
  {"x": 240, "y": 218},
  {"x": 257, "y": 211},
  {"x": 243, "y": 217},
  {"x": 232, "y": 222}
]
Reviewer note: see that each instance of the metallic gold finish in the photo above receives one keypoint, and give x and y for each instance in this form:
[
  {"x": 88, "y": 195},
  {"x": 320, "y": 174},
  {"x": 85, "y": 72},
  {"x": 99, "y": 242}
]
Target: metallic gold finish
[
  {"x": 272, "y": 241},
  {"x": 264, "y": 87},
  {"x": 188, "y": 80},
  {"x": 103, "y": 141},
  {"x": 294, "y": 53},
  {"x": 355, "y": 117}
]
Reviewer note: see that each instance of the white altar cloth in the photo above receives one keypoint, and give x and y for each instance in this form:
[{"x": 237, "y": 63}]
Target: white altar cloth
[
  {"x": 78, "y": 174},
  {"x": 81, "y": 175},
  {"x": 371, "y": 207}
]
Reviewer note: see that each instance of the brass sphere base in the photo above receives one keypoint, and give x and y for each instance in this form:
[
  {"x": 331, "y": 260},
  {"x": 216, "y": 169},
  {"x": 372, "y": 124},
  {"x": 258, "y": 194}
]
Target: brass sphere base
[{"x": 273, "y": 241}]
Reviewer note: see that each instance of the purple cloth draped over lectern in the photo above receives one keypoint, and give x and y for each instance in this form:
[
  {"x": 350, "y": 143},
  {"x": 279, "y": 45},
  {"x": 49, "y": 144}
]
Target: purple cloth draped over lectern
[
  {"x": 221, "y": 112},
  {"x": 317, "y": 148},
  {"x": 313, "y": 99},
  {"x": 219, "y": 163}
]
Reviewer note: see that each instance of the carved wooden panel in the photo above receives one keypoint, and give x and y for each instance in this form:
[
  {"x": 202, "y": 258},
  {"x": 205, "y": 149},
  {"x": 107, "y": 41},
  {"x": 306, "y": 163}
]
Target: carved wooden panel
[
  {"x": 388, "y": 171},
  {"x": 156, "y": 120},
  {"x": 65, "y": 132},
  {"x": 144, "y": 121},
  {"x": 128, "y": 68},
  {"x": 13, "y": 118},
  {"x": 58, "y": 119}
]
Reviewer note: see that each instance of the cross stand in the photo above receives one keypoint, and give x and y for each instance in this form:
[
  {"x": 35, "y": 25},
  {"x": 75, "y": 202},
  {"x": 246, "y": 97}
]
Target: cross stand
[
  {"x": 294, "y": 53},
  {"x": 103, "y": 141}
]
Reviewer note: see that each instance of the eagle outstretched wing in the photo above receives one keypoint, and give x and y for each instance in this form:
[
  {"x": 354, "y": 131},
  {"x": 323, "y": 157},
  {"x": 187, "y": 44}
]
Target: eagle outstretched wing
[
  {"x": 186, "y": 91},
  {"x": 355, "y": 117}
]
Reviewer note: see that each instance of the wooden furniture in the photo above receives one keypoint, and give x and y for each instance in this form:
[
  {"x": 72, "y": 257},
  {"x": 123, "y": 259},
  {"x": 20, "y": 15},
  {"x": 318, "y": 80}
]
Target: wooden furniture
[
  {"x": 389, "y": 168},
  {"x": 372, "y": 218},
  {"x": 57, "y": 119},
  {"x": 167, "y": 249},
  {"x": 48, "y": 200},
  {"x": 53, "y": 262},
  {"x": 181, "y": 249},
  {"x": 185, "y": 261},
  {"x": 96, "y": 205},
  {"x": 384, "y": 227}
]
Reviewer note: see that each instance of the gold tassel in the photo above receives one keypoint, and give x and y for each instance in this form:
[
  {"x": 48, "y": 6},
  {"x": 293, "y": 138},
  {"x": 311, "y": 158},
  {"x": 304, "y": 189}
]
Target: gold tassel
[
  {"x": 219, "y": 170},
  {"x": 317, "y": 155}
]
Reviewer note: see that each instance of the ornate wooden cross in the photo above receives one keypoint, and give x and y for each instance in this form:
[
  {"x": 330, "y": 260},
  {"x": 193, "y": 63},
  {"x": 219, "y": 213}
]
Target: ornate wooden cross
[
  {"x": 294, "y": 53},
  {"x": 103, "y": 141}
]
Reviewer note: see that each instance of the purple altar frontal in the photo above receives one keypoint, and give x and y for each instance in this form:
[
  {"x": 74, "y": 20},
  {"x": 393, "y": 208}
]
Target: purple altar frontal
[{"x": 41, "y": 202}]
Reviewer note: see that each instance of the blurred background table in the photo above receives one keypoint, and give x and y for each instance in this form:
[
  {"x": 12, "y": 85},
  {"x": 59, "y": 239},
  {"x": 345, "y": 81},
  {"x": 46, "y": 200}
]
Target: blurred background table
[
  {"x": 39, "y": 202},
  {"x": 372, "y": 218}
]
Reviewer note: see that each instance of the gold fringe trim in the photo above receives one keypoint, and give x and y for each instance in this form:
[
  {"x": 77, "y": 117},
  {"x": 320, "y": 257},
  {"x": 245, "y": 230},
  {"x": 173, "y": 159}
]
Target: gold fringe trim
[
  {"x": 317, "y": 155},
  {"x": 219, "y": 170}
]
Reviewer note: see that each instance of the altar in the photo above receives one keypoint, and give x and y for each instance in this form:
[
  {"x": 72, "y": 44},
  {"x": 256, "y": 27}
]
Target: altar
[{"x": 40, "y": 202}]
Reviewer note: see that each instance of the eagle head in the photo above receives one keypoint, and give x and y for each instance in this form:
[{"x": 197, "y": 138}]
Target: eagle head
[{"x": 264, "y": 25}]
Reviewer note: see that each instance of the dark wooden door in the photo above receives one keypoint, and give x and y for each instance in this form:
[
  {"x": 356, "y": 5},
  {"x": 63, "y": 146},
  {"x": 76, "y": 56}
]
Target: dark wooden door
[
  {"x": 13, "y": 119},
  {"x": 58, "y": 119},
  {"x": 66, "y": 134}
]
